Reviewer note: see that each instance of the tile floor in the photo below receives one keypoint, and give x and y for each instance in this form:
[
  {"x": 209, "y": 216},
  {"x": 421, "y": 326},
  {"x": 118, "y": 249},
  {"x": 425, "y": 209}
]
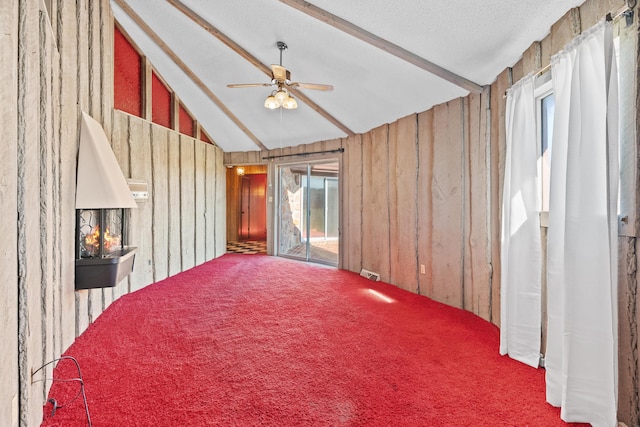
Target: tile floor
[
  {"x": 322, "y": 251},
  {"x": 247, "y": 247}
]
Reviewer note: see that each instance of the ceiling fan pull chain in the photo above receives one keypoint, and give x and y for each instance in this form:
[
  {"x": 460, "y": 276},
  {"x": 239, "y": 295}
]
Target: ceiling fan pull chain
[{"x": 281, "y": 127}]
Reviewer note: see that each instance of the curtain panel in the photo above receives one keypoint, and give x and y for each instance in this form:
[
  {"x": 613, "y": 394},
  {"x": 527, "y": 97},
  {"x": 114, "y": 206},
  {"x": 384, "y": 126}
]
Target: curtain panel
[
  {"x": 521, "y": 252},
  {"x": 581, "y": 358}
]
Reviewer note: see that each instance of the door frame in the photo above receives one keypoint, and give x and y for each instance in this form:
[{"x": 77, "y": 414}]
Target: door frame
[
  {"x": 252, "y": 211},
  {"x": 273, "y": 189},
  {"x": 233, "y": 197}
]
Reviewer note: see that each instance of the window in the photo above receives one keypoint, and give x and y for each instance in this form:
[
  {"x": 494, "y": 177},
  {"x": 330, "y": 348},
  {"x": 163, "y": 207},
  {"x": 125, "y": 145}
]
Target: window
[{"x": 545, "y": 108}]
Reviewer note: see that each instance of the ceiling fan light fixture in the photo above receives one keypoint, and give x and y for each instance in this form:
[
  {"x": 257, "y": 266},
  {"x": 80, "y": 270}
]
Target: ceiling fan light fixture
[
  {"x": 281, "y": 78},
  {"x": 281, "y": 96},
  {"x": 271, "y": 102},
  {"x": 290, "y": 103}
]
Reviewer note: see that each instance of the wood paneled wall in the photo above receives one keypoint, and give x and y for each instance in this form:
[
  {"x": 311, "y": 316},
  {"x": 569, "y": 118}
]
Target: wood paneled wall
[
  {"x": 52, "y": 69},
  {"x": 9, "y": 212},
  {"x": 183, "y": 223},
  {"x": 417, "y": 193},
  {"x": 56, "y": 61}
]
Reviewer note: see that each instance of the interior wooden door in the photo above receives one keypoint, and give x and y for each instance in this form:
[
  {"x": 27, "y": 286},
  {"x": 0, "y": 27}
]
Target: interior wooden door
[
  {"x": 258, "y": 207},
  {"x": 253, "y": 208},
  {"x": 243, "y": 230}
]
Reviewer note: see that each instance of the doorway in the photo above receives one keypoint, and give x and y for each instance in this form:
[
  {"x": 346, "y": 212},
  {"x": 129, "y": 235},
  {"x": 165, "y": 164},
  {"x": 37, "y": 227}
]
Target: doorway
[
  {"x": 308, "y": 212},
  {"x": 247, "y": 209},
  {"x": 253, "y": 208}
]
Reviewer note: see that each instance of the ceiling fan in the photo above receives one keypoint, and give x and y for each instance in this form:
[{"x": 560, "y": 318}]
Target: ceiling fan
[{"x": 281, "y": 78}]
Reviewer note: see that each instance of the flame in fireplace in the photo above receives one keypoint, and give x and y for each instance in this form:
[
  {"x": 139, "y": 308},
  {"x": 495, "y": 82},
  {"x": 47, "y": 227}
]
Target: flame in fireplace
[
  {"x": 92, "y": 241},
  {"x": 111, "y": 241}
]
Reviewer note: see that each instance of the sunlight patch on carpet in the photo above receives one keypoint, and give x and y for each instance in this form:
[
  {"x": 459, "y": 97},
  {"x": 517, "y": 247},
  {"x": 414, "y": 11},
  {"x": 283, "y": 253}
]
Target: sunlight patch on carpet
[{"x": 380, "y": 296}]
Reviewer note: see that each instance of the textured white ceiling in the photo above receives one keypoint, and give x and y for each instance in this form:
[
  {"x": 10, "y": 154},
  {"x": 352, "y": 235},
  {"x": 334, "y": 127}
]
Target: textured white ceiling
[{"x": 475, "y": 39}]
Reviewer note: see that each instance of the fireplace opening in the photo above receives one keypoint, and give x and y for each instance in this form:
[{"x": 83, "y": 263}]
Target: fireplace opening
[
  {"x": 100, "y": 232},
  {"x": 102, "y": 257}
]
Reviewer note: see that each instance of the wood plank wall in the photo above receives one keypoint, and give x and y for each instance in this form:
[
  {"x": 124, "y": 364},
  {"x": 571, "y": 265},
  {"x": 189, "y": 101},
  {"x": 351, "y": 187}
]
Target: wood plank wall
[
  {"x": 43, "y": 64},
  {"x": 9, "y": 212},
  {"x": 56, "y": 61},
  {"x": 427, "y": 190},
  {"x": 183, "y": 223},
  {"x": 420, "y": 186}
]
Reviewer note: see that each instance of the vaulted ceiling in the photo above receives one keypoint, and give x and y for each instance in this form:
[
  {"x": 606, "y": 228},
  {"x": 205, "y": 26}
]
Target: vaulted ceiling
[{"x": 385, "y": 59}]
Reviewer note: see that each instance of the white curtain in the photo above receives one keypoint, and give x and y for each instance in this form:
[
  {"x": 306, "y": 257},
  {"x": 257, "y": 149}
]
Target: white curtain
[
  {"x": 521, "y": 257},
  {"x": 581, "y": 358}
]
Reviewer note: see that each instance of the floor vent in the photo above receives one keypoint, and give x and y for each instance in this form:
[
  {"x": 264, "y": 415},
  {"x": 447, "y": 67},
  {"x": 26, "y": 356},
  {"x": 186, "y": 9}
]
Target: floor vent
[{"x": 370, "y": 275}]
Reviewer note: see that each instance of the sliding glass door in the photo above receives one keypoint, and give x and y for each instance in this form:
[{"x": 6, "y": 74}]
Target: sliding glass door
[{"x": 308, "y": 219}]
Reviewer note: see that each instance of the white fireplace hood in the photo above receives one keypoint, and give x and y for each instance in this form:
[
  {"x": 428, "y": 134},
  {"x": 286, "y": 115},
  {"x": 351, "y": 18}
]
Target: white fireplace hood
[{"x": 100, "y": 183}]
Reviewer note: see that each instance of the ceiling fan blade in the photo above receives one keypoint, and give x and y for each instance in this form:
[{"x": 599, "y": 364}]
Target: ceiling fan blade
[
  {"x": 280, "y": 73},
  {"x": 242, "y": 85},
  {"x": 314, "y": 86}
]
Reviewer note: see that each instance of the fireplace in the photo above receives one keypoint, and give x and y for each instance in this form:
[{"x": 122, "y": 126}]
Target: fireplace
[
  {"x": 102, "y": 258},
  {"x": 103, "y": 200}
]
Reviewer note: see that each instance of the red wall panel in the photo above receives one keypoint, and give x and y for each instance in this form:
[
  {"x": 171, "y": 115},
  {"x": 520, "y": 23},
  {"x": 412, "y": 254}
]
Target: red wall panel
[
  {"x": 161, "y": 102},
  {"x": 127, "y": 76},
  {"x": 186, "y": 122},
  {"x": 203, "y": 137}
]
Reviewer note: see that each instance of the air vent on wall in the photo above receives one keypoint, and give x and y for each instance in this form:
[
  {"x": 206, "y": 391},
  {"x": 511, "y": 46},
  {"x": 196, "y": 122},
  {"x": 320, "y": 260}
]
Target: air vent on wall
[{"x": 370, "y": 275}]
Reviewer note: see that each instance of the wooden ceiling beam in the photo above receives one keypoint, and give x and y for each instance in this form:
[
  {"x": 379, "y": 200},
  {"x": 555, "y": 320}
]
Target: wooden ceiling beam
[
  {"x": 187, "y": 70},
  {"x": 387, "y": 46},
  {"x": 255, "y": 61},
  {"x": 220, "y": 36}
]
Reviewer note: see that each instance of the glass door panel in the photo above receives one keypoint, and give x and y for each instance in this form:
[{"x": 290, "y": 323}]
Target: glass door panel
[
  {"x": 323, "y": 208},
  {"x": 308, "y": 217},
  {"x": 292, "y": 212}
]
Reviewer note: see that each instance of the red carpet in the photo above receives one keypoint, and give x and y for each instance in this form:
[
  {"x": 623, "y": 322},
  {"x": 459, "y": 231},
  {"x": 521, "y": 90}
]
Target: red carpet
[{"x": 249, "y": 340}]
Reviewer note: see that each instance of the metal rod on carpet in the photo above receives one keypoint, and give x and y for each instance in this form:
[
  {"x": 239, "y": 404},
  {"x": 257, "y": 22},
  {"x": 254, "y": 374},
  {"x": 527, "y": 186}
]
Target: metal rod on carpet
[
  {"x": 53, "y": 401},
  {"x": 337, "y": 150}
]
